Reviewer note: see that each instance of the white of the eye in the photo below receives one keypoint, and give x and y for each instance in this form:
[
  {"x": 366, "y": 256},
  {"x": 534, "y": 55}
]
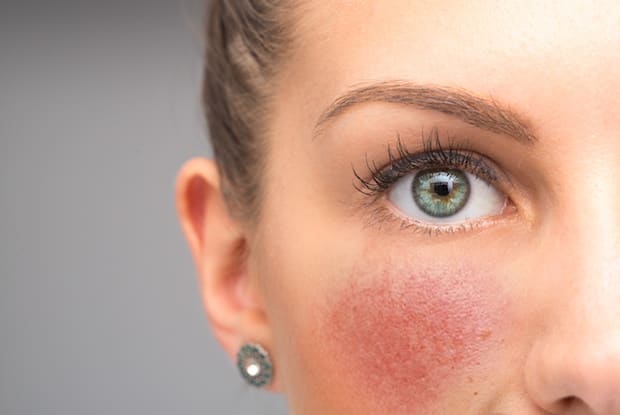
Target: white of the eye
[{"x": 484, "y": 200}]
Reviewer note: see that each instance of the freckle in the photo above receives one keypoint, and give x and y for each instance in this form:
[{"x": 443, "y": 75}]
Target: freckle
[{"x": 485, "y": 334}]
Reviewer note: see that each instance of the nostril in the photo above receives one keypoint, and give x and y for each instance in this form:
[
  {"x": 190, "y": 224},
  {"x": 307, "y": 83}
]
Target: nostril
[
  {"x": 571, "y": 404},
  {"x": 568, "y": 402}
]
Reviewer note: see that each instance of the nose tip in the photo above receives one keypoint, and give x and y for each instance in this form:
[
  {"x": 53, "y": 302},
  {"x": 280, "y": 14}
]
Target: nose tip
[{"x": 582, "y": 378}]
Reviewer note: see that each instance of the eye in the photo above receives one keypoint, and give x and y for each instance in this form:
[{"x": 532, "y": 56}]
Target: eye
[{"x": 445, "y": 195}]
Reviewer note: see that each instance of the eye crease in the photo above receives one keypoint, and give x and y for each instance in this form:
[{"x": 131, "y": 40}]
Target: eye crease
[{"x": 440, "y": 189}]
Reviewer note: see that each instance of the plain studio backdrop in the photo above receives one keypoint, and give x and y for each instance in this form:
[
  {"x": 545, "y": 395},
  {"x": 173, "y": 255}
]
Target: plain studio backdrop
[{"x": 99, "y": 305}]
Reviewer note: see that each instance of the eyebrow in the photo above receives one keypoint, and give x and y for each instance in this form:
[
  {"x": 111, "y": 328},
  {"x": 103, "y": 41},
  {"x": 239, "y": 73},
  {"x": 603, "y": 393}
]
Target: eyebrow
[{"x": 484, "y": 113}]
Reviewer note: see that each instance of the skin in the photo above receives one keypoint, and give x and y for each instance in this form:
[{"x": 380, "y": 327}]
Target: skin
[{"x": 519, "y": 315}]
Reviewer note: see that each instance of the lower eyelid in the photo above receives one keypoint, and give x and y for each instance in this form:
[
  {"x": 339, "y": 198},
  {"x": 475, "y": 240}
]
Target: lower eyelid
[{"x": 385, "y": 214}]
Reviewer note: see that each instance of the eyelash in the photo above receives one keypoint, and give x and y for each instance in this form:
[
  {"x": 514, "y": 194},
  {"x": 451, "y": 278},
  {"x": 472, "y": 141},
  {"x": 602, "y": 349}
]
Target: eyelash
[{"x": 434, "y": 155}]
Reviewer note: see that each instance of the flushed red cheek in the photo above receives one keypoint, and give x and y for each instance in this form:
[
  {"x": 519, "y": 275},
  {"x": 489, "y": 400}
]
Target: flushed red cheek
[{"x": 402, "y": 337}]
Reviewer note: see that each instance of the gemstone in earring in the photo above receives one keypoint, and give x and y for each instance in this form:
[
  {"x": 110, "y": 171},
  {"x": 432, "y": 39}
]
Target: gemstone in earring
[{"x": 254, "y": 364}]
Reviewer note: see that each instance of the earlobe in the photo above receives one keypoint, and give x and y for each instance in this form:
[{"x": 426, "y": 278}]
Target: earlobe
[{"x": 218, "y": 245}]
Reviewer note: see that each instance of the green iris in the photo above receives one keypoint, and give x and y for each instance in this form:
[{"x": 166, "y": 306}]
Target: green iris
[{"x": 440, "y": 193}]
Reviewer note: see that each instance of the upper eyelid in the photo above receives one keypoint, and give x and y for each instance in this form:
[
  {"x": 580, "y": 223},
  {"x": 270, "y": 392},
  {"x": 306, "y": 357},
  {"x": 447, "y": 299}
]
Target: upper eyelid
[
  {"x": 469, "y": 157},
  {"x": 434, "y": 153}
]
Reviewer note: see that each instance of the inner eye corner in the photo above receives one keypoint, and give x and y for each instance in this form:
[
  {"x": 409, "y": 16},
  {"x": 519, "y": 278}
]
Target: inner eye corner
[{"x": 509, "y": 204}]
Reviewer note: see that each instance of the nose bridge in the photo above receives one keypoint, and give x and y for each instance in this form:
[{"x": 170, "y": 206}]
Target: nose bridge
[
  {"x": 582, "y": 215},
  {"x": 590, "y": 226},
  {"x": 588, "y": 229},
  {"x": 585, "y": 272}
]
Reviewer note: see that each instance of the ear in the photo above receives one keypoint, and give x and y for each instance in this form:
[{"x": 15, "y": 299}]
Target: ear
[{"x": 219, "y": 248}]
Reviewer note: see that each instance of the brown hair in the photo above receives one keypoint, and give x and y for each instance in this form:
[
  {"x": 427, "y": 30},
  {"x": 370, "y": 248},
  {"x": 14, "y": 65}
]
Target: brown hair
[{"x": 246, "y": 39}]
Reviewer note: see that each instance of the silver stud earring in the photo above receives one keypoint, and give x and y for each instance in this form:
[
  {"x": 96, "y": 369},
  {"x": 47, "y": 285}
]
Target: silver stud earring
[{"x": 254, "y": 364}]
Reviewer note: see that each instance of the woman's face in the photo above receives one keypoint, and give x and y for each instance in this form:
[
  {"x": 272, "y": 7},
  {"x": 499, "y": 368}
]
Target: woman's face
[{"x": 477, "y": 272}]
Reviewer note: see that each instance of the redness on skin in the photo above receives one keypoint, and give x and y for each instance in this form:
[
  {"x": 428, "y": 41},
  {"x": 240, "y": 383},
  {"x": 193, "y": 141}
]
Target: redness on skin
[{"x": 403, "y": 336}]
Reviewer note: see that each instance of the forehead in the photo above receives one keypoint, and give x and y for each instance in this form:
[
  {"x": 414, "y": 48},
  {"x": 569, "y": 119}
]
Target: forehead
[{"x": 507, "y": 49}]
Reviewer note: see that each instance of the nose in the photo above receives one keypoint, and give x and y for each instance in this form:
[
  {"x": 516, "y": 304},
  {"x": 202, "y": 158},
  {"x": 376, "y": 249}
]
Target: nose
[
  {"x": 573, "y": 365},
  {"x": 582, "y": 377}
]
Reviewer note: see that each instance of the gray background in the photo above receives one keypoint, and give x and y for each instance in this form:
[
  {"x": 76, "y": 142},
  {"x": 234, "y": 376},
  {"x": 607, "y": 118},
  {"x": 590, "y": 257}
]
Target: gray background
[{"x": 99, "y": 307}]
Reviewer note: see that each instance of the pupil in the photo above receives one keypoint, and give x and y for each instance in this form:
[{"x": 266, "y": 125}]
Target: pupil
[{"x": 442, "y": 188}]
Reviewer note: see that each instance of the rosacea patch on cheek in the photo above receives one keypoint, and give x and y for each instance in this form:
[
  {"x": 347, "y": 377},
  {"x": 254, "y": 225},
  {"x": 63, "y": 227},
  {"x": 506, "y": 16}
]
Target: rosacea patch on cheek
[{"x": 402, "y": 337}]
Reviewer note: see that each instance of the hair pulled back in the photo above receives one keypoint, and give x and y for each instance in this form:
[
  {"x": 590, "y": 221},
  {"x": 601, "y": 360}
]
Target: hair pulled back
[{"x": 245, "y": 41}]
